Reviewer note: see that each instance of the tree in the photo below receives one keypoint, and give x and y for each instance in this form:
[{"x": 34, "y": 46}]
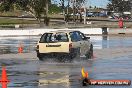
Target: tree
[
  {"x": 53, "y": 8},
  {"x": 6, "y": 5},
  {"x": 119, "y": 5},
  {"x": 34, "y": 7},
  {"x": 76, "y": 5},
  {"x": 79, "y": 4}
]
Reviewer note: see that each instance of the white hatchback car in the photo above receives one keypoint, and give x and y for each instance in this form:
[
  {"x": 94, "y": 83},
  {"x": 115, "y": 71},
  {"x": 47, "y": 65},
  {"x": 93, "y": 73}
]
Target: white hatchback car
[{"x": 64, "y": 43}]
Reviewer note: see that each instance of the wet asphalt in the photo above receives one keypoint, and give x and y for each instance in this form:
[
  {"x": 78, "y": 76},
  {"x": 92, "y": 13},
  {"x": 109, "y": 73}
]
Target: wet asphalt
[{"x": 32, "y": 73}]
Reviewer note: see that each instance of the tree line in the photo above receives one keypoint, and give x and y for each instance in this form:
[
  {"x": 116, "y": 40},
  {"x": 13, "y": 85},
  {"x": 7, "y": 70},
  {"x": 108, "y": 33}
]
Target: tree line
[
  {"x": 37, "y": 8},
  {"x": 40, "y": 8},
  {"x": 119, "y": 5}
]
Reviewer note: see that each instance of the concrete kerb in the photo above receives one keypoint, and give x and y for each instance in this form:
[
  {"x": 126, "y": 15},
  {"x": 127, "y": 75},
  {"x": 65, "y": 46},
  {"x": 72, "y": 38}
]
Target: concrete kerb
[
  {"x": 34, "y": 32},
  {"x": 120, "y": 31},
  {"x": 87, "y": 31}
]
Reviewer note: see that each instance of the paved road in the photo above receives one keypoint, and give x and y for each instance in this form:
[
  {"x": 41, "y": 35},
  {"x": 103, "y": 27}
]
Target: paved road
[{"x": 112, "y": 60}]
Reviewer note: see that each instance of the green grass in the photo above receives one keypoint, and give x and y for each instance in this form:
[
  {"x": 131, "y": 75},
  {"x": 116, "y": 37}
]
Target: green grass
[
  {"x": 8, "y": 21},
  {"x": 11, "y": 13}
]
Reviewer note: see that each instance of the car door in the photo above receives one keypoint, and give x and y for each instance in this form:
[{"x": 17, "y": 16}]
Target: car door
[
  {"x": 75, "y": 40},
  {"x": 86, "y": 43},
  {"x": 78, "y": 42},
  {"x": 82, "y": 43}
]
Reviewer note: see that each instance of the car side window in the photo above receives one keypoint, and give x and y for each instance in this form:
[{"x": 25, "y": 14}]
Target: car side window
[
  {"x": 46, "y": 38},
  {"x": 82, "y": 36},
  {"x": 79, "y": 36},
  {"x": 42, "y": 39},
  {"x": 75, "y": 36}
]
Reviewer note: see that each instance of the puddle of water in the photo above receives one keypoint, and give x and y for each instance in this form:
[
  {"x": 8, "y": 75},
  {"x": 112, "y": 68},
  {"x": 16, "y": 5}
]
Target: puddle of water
[
  {"x": 11, "y": 44},
  {"x": 37, "y": 74}
]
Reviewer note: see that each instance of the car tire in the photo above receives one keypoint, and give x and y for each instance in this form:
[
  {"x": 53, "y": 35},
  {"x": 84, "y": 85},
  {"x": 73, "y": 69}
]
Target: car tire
[
  {"x": 61, "y": 58},
  {"x": 69, "y": 57},
  {"x": 73, "y": 56},
  {"x": 40, "y": 56}
]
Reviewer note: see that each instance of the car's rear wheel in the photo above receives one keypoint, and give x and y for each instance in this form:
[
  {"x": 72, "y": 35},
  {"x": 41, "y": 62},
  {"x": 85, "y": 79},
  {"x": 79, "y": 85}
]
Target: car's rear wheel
[
  {"x": 69, "y": 57},
  {"x": 75, "y": 54},
  {"x": 40, "y": 56}
]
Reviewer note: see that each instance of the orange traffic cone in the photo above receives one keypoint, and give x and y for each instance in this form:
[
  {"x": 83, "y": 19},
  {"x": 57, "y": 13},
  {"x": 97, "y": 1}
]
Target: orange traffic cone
[
  {"x": 85, "y": 76},
  {"x": 4, "y": 80},
  {"x": 20, "y": 49}
]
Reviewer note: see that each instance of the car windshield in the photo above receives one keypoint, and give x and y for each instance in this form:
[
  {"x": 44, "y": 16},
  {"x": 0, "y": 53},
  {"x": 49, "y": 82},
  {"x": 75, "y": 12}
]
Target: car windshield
[{"x": 51, "y": 38}]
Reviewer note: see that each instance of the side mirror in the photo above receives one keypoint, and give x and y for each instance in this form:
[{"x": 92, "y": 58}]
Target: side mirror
[{"x": 86, "y": 38}]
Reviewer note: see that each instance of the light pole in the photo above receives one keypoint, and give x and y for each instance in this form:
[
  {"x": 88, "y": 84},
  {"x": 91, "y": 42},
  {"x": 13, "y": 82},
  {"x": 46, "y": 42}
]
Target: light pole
[{"x": 84, "y": 14}]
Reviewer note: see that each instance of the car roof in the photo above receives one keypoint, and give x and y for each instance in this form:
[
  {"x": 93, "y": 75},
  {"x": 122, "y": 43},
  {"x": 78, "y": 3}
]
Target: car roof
[{"x": 64, "y": 31}]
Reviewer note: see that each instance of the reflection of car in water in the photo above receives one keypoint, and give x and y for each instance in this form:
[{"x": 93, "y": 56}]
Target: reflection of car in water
[{"x": 64, "y": 43}]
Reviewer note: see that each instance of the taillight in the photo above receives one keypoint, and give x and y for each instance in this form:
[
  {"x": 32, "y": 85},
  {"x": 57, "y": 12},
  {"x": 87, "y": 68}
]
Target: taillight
[{"x": 70, "y": 45}]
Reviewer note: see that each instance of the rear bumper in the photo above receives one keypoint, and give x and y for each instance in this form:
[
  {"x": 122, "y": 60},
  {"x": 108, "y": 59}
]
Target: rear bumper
[
  {"x": 53, "y": 55},
  {"x": 58, "y": 54}
]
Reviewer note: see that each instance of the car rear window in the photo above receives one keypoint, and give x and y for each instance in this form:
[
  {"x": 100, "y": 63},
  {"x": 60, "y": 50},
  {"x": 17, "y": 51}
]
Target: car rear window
[{"x": 51, "y": 38}]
